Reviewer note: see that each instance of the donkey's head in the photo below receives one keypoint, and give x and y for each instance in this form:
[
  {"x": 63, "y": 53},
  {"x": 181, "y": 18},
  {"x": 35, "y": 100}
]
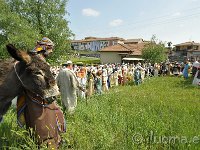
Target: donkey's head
[
  {"x": 30, "y": 73},
  {"x": 33, "y": 73}
]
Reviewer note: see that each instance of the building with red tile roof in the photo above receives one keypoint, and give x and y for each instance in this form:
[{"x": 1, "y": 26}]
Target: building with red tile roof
[
  {"x": 189, "y": 50},
  {"x": 116, "y": 53},
  {"x": 95, "y": 43}
]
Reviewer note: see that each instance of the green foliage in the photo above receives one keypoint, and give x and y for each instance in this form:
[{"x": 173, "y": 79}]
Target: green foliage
[
  {"x": 24, "y": 22},
  {"x": 165, "y": 106},
  {"x": 14, "y": 29},
  {"x": 86, "y": 52},
  {"x": 153, "y": 52},
  {"x": 86, "y": 60}
]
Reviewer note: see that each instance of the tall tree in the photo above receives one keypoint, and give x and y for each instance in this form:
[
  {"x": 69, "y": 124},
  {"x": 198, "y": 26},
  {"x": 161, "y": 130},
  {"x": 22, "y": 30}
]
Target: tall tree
[
  {"x": 46, "y": 18},
  {"x": 154, "y": 51},
  {"x": 14, "y": 29}
]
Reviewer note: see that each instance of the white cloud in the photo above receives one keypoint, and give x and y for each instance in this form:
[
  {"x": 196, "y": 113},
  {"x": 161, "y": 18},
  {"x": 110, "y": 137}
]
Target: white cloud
[
  {"x": 90, "y": 12},
  {"x": 176, "y": 14},
  {"x": 116, "y": 22},
  {"x": 181, "y": 25}
]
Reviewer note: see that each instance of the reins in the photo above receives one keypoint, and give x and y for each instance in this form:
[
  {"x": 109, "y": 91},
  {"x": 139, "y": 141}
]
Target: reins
[
  {"x": 18, "y": 75},
  {"x": 26, "y": 90}
]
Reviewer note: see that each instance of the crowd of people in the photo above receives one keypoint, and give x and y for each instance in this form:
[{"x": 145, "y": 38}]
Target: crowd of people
[
  {"x": 84, "y": 81},
  {"x": 97, "y": 79}
]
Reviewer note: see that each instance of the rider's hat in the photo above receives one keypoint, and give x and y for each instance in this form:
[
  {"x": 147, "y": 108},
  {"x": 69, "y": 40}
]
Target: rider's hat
[{"x": 46, "y": 41}]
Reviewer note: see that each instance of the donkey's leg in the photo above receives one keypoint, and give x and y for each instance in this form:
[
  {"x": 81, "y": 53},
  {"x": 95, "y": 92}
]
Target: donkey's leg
[{"x": 5, "y": 104}]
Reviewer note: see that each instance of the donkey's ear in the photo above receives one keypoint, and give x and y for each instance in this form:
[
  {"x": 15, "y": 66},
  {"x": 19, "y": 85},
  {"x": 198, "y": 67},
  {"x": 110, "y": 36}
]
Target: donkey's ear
[{"x": 17, "y": 54}]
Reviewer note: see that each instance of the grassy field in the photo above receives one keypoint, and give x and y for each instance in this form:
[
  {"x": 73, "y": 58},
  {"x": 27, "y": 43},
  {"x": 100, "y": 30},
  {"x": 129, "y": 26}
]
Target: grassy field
[
  {"x": 86, "y": 60},
  {"x": 87, "y": 52},
  {"x": 162, "y": 113}
]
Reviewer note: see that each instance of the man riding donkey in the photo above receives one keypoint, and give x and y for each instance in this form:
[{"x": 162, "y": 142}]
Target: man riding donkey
[{"x": 42, "y": 50}]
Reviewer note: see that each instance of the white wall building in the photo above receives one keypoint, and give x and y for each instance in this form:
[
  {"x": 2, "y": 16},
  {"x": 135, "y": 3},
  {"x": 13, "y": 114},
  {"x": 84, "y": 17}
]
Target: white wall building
[{"x": 94, "y": 43}]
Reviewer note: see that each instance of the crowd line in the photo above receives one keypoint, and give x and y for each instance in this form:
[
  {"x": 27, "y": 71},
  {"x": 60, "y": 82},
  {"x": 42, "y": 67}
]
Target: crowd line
[{"x": 97, "y": 79}]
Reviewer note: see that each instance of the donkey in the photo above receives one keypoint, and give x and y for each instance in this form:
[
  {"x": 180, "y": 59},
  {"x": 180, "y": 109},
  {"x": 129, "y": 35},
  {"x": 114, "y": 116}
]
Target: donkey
[{"x": 31, "y": 77}]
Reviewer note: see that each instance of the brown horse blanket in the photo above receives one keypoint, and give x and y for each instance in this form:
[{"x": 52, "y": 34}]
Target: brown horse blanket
[{"x": 21, "y": 105}]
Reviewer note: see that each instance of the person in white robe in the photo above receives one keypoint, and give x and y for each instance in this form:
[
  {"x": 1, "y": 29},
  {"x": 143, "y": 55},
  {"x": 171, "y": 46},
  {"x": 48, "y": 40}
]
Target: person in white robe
[
  {"x": 196, "y": 80},
  {"x": 104, "y": 80},
  {"x": 68, "y": 84}
]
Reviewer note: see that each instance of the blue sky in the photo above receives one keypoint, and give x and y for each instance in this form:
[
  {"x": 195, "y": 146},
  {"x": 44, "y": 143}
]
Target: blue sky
[{"x": 170, "y": 20}]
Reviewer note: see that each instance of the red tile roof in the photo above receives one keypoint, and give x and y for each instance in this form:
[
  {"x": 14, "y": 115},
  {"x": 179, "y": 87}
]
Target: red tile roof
[
  {"x": 133, "y": 41},
  {"x": 134, "y": 49}
]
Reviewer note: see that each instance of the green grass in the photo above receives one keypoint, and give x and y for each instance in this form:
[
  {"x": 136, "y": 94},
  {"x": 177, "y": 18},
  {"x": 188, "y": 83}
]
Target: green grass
[
  {"x": 129, "y": 117},
  {"x": 87, "y": 52},
  {"x": 86, "y": 60}
]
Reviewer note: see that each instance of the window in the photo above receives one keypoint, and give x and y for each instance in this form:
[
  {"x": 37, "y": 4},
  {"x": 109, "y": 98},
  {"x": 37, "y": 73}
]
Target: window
[
  {"x": 177, "y": 48},
  {"x": 195, "y": 47}
]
